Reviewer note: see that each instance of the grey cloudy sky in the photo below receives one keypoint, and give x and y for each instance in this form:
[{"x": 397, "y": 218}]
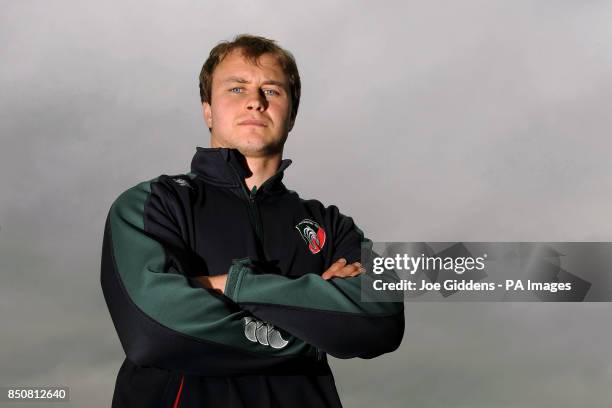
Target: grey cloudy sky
[{"x": 425, "y": 121}]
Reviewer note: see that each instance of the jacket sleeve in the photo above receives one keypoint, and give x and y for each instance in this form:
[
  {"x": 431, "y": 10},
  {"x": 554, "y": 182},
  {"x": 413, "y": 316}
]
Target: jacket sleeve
[
  {"x": 326, "y": 313},
  {"x": 162, "y": 317}
]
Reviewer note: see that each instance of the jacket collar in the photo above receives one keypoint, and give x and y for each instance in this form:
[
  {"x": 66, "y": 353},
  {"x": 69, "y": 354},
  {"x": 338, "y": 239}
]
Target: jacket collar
[{"x": 227, "y": 167}]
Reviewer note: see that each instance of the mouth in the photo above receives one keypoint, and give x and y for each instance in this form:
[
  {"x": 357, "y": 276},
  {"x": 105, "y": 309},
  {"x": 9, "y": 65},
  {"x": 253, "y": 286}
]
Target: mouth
[{"x": 252, "y": 122}]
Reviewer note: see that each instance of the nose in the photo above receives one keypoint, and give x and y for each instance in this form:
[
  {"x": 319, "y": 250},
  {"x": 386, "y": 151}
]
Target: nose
[{"x": 257, "y": 102}]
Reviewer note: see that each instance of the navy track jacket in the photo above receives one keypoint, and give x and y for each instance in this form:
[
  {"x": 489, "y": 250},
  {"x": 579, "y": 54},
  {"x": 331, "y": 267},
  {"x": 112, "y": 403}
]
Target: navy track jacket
[{"x": 263, "y": 343}]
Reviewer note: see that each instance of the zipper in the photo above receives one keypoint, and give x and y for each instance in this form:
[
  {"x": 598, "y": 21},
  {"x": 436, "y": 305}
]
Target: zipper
[
  {"x": 256, "y": 216},
  {"x": 252, "y": 206}
]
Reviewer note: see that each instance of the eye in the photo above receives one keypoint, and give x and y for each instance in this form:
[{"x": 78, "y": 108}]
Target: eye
[
  {"x": 236, "y": 89},
  {"x": 271, "y": 92}
]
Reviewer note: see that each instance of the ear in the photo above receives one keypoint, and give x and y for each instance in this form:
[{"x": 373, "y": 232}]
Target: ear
[{"x": 207, "y": 113}]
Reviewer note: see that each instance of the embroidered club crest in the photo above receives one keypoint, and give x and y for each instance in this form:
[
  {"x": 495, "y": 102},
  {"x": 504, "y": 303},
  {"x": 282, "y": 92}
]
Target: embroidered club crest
[{"x": 313, "y": 234}]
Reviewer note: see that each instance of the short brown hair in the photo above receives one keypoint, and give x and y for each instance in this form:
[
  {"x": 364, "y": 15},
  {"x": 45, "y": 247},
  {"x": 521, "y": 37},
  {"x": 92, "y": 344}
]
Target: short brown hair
[{"x": 252, "y": 47}]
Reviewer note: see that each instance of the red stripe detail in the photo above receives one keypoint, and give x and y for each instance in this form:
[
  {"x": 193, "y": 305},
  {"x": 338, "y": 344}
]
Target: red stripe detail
[{"x": 178, "y": 394}]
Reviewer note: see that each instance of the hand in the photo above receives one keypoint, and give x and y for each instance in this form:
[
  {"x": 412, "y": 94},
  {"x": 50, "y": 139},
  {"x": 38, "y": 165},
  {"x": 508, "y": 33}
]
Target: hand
[
  {"x": 216, "y": 282},
  {"x": 340, "y": 269}
]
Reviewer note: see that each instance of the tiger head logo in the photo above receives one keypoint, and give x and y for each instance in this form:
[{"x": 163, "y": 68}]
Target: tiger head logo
[{"x": 313, "y": 234}]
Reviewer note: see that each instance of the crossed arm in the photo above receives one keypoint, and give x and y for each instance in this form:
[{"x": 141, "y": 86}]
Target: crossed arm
[
  {"x": 164, "y": 319},
  {"x": 339, "y": 269}
]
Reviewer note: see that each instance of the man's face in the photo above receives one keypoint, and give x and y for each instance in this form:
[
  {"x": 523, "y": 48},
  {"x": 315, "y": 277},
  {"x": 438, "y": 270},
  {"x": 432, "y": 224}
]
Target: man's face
[{"x": 250, "y": 106}]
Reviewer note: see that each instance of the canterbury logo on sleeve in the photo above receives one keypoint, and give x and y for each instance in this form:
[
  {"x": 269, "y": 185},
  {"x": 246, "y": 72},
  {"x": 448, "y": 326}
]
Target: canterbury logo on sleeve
[{"x": 263, "y": 333}]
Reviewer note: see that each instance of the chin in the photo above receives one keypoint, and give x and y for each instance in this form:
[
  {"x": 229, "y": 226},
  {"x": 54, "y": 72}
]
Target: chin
[
  {"x": 260, "y": 145},
  {"x": 253, "y": 144},
  {"x": 260, "y": 150}
]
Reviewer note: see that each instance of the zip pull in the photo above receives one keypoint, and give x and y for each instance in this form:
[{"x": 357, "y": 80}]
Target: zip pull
[{"x": 253, "y": 193}]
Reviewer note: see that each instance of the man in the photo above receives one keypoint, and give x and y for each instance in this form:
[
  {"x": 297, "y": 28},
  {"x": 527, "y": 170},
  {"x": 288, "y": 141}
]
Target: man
[{"x": 225, "y": 288}]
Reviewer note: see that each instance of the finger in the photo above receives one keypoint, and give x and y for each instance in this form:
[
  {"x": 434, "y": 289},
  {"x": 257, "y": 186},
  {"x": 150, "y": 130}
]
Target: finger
[
  {"x": 356, "y": 273},
  {"x": 360, "y": 269},
  {"x": 357, "y": 269},
  {"x": 334, "y": 268},
  {"x": 340, "y": 263},
  {"x": 328, "y": 274},
  {"x": 348, "y": 270}
]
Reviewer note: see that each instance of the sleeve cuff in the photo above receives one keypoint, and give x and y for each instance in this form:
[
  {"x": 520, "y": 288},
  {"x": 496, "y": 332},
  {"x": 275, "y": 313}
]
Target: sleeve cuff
[{"x": 236, "y": 273}]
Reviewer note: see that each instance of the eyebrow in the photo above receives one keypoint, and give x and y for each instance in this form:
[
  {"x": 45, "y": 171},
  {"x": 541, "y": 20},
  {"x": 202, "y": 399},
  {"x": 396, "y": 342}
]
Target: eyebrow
[{"x": 245, "y": 81}]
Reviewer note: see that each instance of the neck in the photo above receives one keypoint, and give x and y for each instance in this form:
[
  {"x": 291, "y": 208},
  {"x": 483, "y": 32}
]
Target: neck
[{"x": 262, "y": 168}]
